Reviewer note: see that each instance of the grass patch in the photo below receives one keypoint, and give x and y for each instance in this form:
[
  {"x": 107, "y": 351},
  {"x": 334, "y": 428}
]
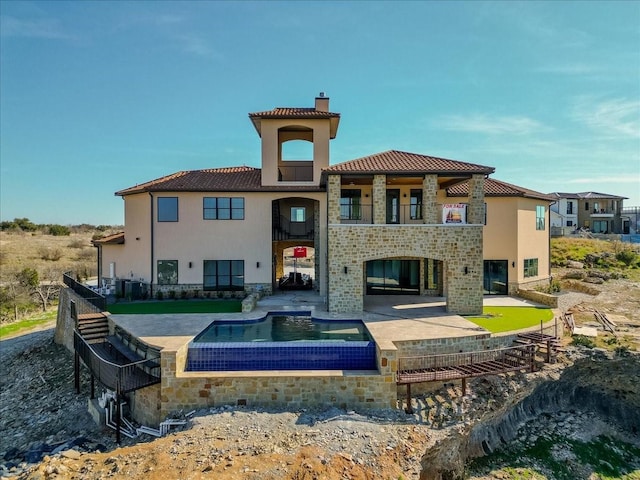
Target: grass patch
[
  {"x": 602, "y": 457},
  {"x": 177, "y": 306},
  {"x": 28, "y": 323},
  {"x": 505, "y": 319}
]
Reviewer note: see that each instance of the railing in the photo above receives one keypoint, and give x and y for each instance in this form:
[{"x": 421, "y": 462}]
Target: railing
[
  {"x": 449, "y": 366},
  {"x": 295, "y": 173},
  {"x": 286, "y": 229},
  {"x": 121, "y": 378},
  {"x": 403, "y": 214},
  {"x": 93, "y": 297}
]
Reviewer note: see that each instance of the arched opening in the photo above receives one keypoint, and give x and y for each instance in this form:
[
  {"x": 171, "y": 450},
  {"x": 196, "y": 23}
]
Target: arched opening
[
  {"x": 295, "y": 155},
  {"x": 299, "y": 268},
  {"x": 297, "y": 150}
]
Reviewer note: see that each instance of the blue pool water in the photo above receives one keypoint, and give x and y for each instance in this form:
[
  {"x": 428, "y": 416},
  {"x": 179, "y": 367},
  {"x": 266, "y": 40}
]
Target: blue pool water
[{"x": 283, "y": 342}]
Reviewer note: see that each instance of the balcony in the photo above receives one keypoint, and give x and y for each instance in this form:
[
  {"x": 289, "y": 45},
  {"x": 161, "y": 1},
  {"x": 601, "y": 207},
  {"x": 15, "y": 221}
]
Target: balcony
[
  {"x": 285, "y": 229},
  {"x": 403, "y": 214},
  {"x": 602, "y": 213},
  {"x": 301, "y": 172}
]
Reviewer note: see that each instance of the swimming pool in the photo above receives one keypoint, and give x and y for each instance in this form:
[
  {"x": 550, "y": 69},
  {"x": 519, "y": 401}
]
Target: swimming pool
[{"x": 283, "y": 342}]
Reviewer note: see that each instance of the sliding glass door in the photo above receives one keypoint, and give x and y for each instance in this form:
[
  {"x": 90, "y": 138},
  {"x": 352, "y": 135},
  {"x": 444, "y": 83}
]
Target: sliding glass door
[
  {"x": 393, "y": 277},
  {"x": 495, "y": 277}
]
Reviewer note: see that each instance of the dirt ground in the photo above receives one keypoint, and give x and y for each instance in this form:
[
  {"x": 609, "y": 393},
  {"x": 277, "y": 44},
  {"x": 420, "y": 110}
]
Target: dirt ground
[{"x": 40, "y": 409}]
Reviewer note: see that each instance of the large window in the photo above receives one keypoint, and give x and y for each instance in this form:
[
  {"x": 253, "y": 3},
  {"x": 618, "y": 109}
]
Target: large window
[
  {"x": 600, "y": 226},
  {"x": 540, "y": 220},
  {"x": 530, "y": 267},
  {"x": 167, "y": 272},
  {"x": 350, "y": 205},
  {"x": 569, "y": 208},
  {"x": 416, "y": 205},
  {"x": 167, "y": 209},
  {"x": 393, "y": 277},
  {"x": 223, "y": 208},
  {"x": 223, "y": 275}
]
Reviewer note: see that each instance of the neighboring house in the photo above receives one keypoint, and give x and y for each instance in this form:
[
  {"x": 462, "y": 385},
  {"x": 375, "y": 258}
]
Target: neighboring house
[
  {"x": 381, "y": 224},
  {"x": 564, "y": 211},
  {"x": 516, "y": 236},
  {"x": 597, "y": 212}
]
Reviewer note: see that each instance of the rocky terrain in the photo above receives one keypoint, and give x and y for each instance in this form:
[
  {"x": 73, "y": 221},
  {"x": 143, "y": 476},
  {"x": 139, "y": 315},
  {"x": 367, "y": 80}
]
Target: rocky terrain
[{"x": 47, "y": 432}]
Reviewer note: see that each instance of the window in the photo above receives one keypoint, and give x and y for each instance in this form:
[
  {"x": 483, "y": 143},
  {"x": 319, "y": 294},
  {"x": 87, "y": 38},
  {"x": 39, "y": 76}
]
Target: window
[
  {"x": 350, "y": 207},
  {"x": 586, "y": 206},
  {"x": 540, "y": 221},
  {"x": 298, "y": 214},
  {"x": 167, "y": 272},
  {"x": 600, "y": 226},
  {"x": 569, "y": 223},
  {"x": 416, "y": 205},
  {"x": 530, "y": 267},
  {"x": 223, "y": 208},
  {"x": 167, "y": 209},
  {"x": 569, "y": 208},
  {"x": 223, "y": 275}
]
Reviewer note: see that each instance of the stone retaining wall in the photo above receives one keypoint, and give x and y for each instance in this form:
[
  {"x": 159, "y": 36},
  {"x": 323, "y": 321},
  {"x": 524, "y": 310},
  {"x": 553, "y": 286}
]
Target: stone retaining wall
[{"x": 539, "y": 297}]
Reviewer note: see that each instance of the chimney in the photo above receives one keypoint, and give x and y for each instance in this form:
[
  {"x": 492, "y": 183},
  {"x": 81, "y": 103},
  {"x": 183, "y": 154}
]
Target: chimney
[{"x": 322, "y": 103}]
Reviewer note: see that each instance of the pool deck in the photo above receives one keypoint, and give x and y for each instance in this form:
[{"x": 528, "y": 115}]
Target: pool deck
[{"x": 388, "y": 318}]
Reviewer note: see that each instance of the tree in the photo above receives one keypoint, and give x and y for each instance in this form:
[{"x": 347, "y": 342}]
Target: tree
[{"x": 43, "y": 290}]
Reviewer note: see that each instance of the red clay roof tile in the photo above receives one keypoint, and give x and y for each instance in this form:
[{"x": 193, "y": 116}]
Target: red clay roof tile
[
  {"x": 398, "y": 162},
  {"x": 230, "y": 179},
  {"x": 496, "y": 188}
]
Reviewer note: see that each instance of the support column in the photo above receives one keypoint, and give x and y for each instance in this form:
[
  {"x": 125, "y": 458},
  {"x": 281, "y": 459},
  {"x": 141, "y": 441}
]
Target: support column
[
  {"x": 475, "y": 211},
  {"x": 333, "y": 199},
  {"x": 430, "y": 214},
  {"x": 379, "y": 199}
]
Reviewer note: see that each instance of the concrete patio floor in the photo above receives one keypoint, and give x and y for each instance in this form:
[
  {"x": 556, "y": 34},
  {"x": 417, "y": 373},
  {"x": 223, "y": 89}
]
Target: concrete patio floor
[{"x": 388, "y": 318}]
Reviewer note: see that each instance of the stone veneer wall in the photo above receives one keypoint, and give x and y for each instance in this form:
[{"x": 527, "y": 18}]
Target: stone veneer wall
[
  {"x": 458, "y": 246},
  {"x": 430, "y": 211},
  {"x": 186, "y": 391},
  {"x": 190, "y": 288}
]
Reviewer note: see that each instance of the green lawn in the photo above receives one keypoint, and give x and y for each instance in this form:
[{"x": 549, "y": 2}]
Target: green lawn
[
  {"x": 504, "y": 319},
  {"x": 28, "y": 323},
  {"x": 177, "y": 306}
]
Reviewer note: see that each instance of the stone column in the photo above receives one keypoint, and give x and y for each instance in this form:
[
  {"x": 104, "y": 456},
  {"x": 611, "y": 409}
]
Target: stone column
[
  {"x": 429, "y": 204},
  {"x": 379, "y": 199},
  {"x": 333, "y": 199},
  {"x": 475, "y": 210}
]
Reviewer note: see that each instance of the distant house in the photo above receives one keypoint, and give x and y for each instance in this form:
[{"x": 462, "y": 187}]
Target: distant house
[
  {"x": 600, "y": 213},
  {"x": 391, "y": 223},
  {"x": 515, "y": 238}
]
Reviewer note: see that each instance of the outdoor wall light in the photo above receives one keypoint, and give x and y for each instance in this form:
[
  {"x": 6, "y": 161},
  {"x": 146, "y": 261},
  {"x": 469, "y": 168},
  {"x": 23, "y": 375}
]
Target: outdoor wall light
[
  {"x": 466, "y": 270},
  {"x": 190, "y": 264},
  {"x": 137, "y": 238},
  {"x": 513, "y": 264},
  {"x": 257, "y": 264},
  {"x": 366, "y": 195},
  {"x": 346, "y": 270}
]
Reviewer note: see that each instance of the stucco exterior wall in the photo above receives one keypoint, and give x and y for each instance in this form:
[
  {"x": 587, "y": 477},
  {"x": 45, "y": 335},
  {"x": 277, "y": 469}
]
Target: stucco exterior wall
[
  {"x": 271, "y": 148},
  {"x": 192, "y": 239}
]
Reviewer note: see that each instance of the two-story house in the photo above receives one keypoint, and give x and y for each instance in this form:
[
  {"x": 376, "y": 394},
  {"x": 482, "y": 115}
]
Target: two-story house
[
  {"x": 597, "y": 212},
  {"x": 387, "y": 223}
]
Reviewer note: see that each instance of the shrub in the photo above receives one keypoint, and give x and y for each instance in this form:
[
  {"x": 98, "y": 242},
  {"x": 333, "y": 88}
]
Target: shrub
[
  {"x": 86, "y": 254},
  {"x": 52, "y": 254},
  {"x": 77, "y": 243},
  {"x": 160, "y": 295},
  {"x": 172, "y": 294},
  {"x": 627, "y": 257},
  {"x": 581, "y": 340},
  {"x": 183, "y": 294},
  {"x": 59, "y": 230}
]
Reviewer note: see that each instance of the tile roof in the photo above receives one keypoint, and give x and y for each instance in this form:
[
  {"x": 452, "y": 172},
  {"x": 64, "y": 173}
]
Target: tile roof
[
  {"x": 113, "y": 239},
  {"x": 496, "y": 188},
  {"x": 586, "y": 195},
  {"x": 231, "y": 179},
  {"x": 295, "y": 113},
  {"x": 397, "y": 162}
]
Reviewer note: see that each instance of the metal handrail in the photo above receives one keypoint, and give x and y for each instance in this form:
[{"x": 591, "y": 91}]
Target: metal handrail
[
  {"x": 93, "y": 297},
  {"x": 450, "y": 360},
  {"x": 121, "y": 378}
]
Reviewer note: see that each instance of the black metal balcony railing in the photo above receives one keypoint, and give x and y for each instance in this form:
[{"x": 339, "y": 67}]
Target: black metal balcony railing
[
  {"x": 405, "y": 214},
  {"x": 93, "y": 297}
]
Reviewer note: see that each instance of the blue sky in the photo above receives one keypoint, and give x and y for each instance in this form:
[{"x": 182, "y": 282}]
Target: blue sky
[{"x": 99, "y": 96}]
